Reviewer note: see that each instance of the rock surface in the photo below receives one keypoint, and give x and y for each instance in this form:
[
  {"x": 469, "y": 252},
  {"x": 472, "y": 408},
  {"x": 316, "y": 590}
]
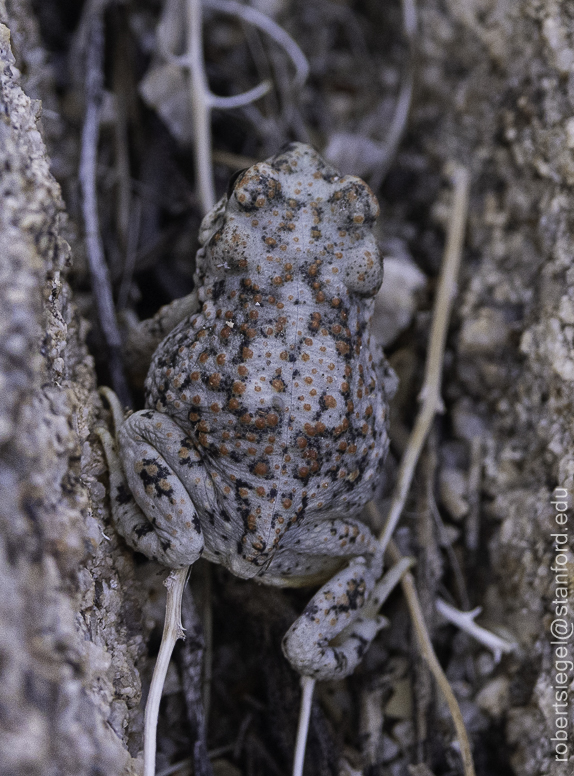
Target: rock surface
[
  {"x": 70, "y": 631},
  {"x": 495, "y": 90}
]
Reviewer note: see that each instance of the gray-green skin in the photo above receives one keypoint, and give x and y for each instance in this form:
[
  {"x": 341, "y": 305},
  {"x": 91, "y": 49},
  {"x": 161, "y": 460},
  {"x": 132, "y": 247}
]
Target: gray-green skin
[{"x": 266, "y": 422}]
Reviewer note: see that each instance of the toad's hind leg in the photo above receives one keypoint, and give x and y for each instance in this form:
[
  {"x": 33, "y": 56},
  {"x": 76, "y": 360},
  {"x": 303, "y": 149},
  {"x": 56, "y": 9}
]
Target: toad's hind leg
[
  {"x": 151, "y": 506},
  {"x": 331, "y": 636}
]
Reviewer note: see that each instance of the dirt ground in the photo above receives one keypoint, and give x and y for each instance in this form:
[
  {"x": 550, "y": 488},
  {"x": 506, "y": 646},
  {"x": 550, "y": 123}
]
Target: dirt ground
[{"x": 81, "y": 616}]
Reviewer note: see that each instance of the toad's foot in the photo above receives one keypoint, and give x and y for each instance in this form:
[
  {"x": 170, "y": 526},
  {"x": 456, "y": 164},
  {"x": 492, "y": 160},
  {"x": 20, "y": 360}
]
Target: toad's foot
[{"x": 330, "y": 638}]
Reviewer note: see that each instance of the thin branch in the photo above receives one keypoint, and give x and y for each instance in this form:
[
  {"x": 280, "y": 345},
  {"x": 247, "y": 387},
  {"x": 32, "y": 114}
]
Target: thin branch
[
  {"x": 190, "y": 662},
  {"x": 121, "y": 145},
  {"x": 207, "y": 621},
  {"x": 474, "y": 476},
  {"x": 465, "y": 621},
  {"x": 201, "y": 107},
  {"x": 131, "y": 253},
  {"x": 268, "y": 26},
  {"x": 409, "y": 11},
  {"x": 402, "y": 108},
  {"x": 448, "y": 548},
  {"x": 394, "y": 133},
  {"x": 430, "y": 393},
  {"x": 233, "y": 161},
  {"x": 239, "y": 100},
  {"x": 101, "y": 286},
  {"x": 307, "y": 688},
  {"x": 387, "y": 584},
  {"x": 203, "y": 100},
  {"x": 172, "y": 631},
  {"x": 428, "y": 653},
  {"x": 239, "y": 743}
]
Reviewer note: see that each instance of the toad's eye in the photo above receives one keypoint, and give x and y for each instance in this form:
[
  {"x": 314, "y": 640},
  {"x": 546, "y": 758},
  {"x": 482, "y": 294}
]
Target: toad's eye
[
  {"x": 355, "y": 200},
  {"x": 233, "y": 180},
  {"x": 256, "y": 189}
]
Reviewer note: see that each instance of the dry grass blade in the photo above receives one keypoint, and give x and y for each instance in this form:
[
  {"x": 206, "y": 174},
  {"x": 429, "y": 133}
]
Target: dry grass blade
[
  {"x": 267, "y": 25},
  {"x": 203, "y": 100},
  {"x": 101, "y": 286},
  {"x": 189, "y": 660},
  {"x": 307, "y": 688},
  {"x": 427, "y": 651},
  {"x": 402, "y": 109},
  {"x": 172, "y": 631},
  {"x": 201, "y": 107},
  {"x": 465, "y": 621},
  {"x": 430, "y": 393},
  {"x": 431, "y": 398}
]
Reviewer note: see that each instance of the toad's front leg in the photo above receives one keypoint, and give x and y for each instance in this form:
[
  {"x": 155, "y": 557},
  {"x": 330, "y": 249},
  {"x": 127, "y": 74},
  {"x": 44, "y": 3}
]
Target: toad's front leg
[{"x": 153, "y": 472}]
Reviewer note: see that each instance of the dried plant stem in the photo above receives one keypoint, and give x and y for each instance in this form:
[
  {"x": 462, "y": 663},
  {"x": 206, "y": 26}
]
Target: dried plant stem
[
  {"x": 474, "y": 477},
  {"x": 394, "y": 133},
  {"x": 207, "y": 621},
  {"x": 465, "y": 621},
  {"x": 190, "y": 664},
  {"x": 459, "y": 580},
  {"x": 307, "y": 688},
  {"x": 121, "y": 90},
  {"x": 258, "y": 19},
  {"x": 430, "y": 393},
  {"x": 409, "y": 11},
  {"x": 101, "y": 286},
  {"x": 427, "y": 651},
  {"x": 233, "y": 161},
  {"x": 201, "y": 107},
  {"x": 203, "y": 100},
  {"x": 431, "y": 403},
  {"x": 172, "y": 631}
]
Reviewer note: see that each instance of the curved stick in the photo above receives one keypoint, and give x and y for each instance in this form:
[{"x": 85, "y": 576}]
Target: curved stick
[
  {"x": 428, "y": 653},
  {"x": 307, "y": 688},
  {"x": 430, "y": 393},
  {"x": 172, "y": 631}
]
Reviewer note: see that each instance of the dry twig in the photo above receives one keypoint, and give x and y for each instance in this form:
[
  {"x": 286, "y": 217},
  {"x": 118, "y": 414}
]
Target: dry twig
[
  {"x": 190, "y": 662},
  {"x": 432, "y": 402},
  {"x": 428, "y": 572},
  {"x": 203, "y": 100},
  {"x": 401, "y": 112},
  {"x": 452, "y": 556},
  {"x": 258, "y": 19},
  {"x": 172, "y": 631},
  {"x": 427, "y": 651},
  {"x": 465, "y": 621},
  {"x": 430, "y": 393},
  {"x": 474, "y": 477},
  {"x": 307, "y": 687},
  {"x": 101, "y": 286}
]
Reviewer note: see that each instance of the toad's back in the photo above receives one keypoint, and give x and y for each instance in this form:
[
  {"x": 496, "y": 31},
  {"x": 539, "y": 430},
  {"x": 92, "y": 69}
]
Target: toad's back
[{"x": 275, "y": 381}]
